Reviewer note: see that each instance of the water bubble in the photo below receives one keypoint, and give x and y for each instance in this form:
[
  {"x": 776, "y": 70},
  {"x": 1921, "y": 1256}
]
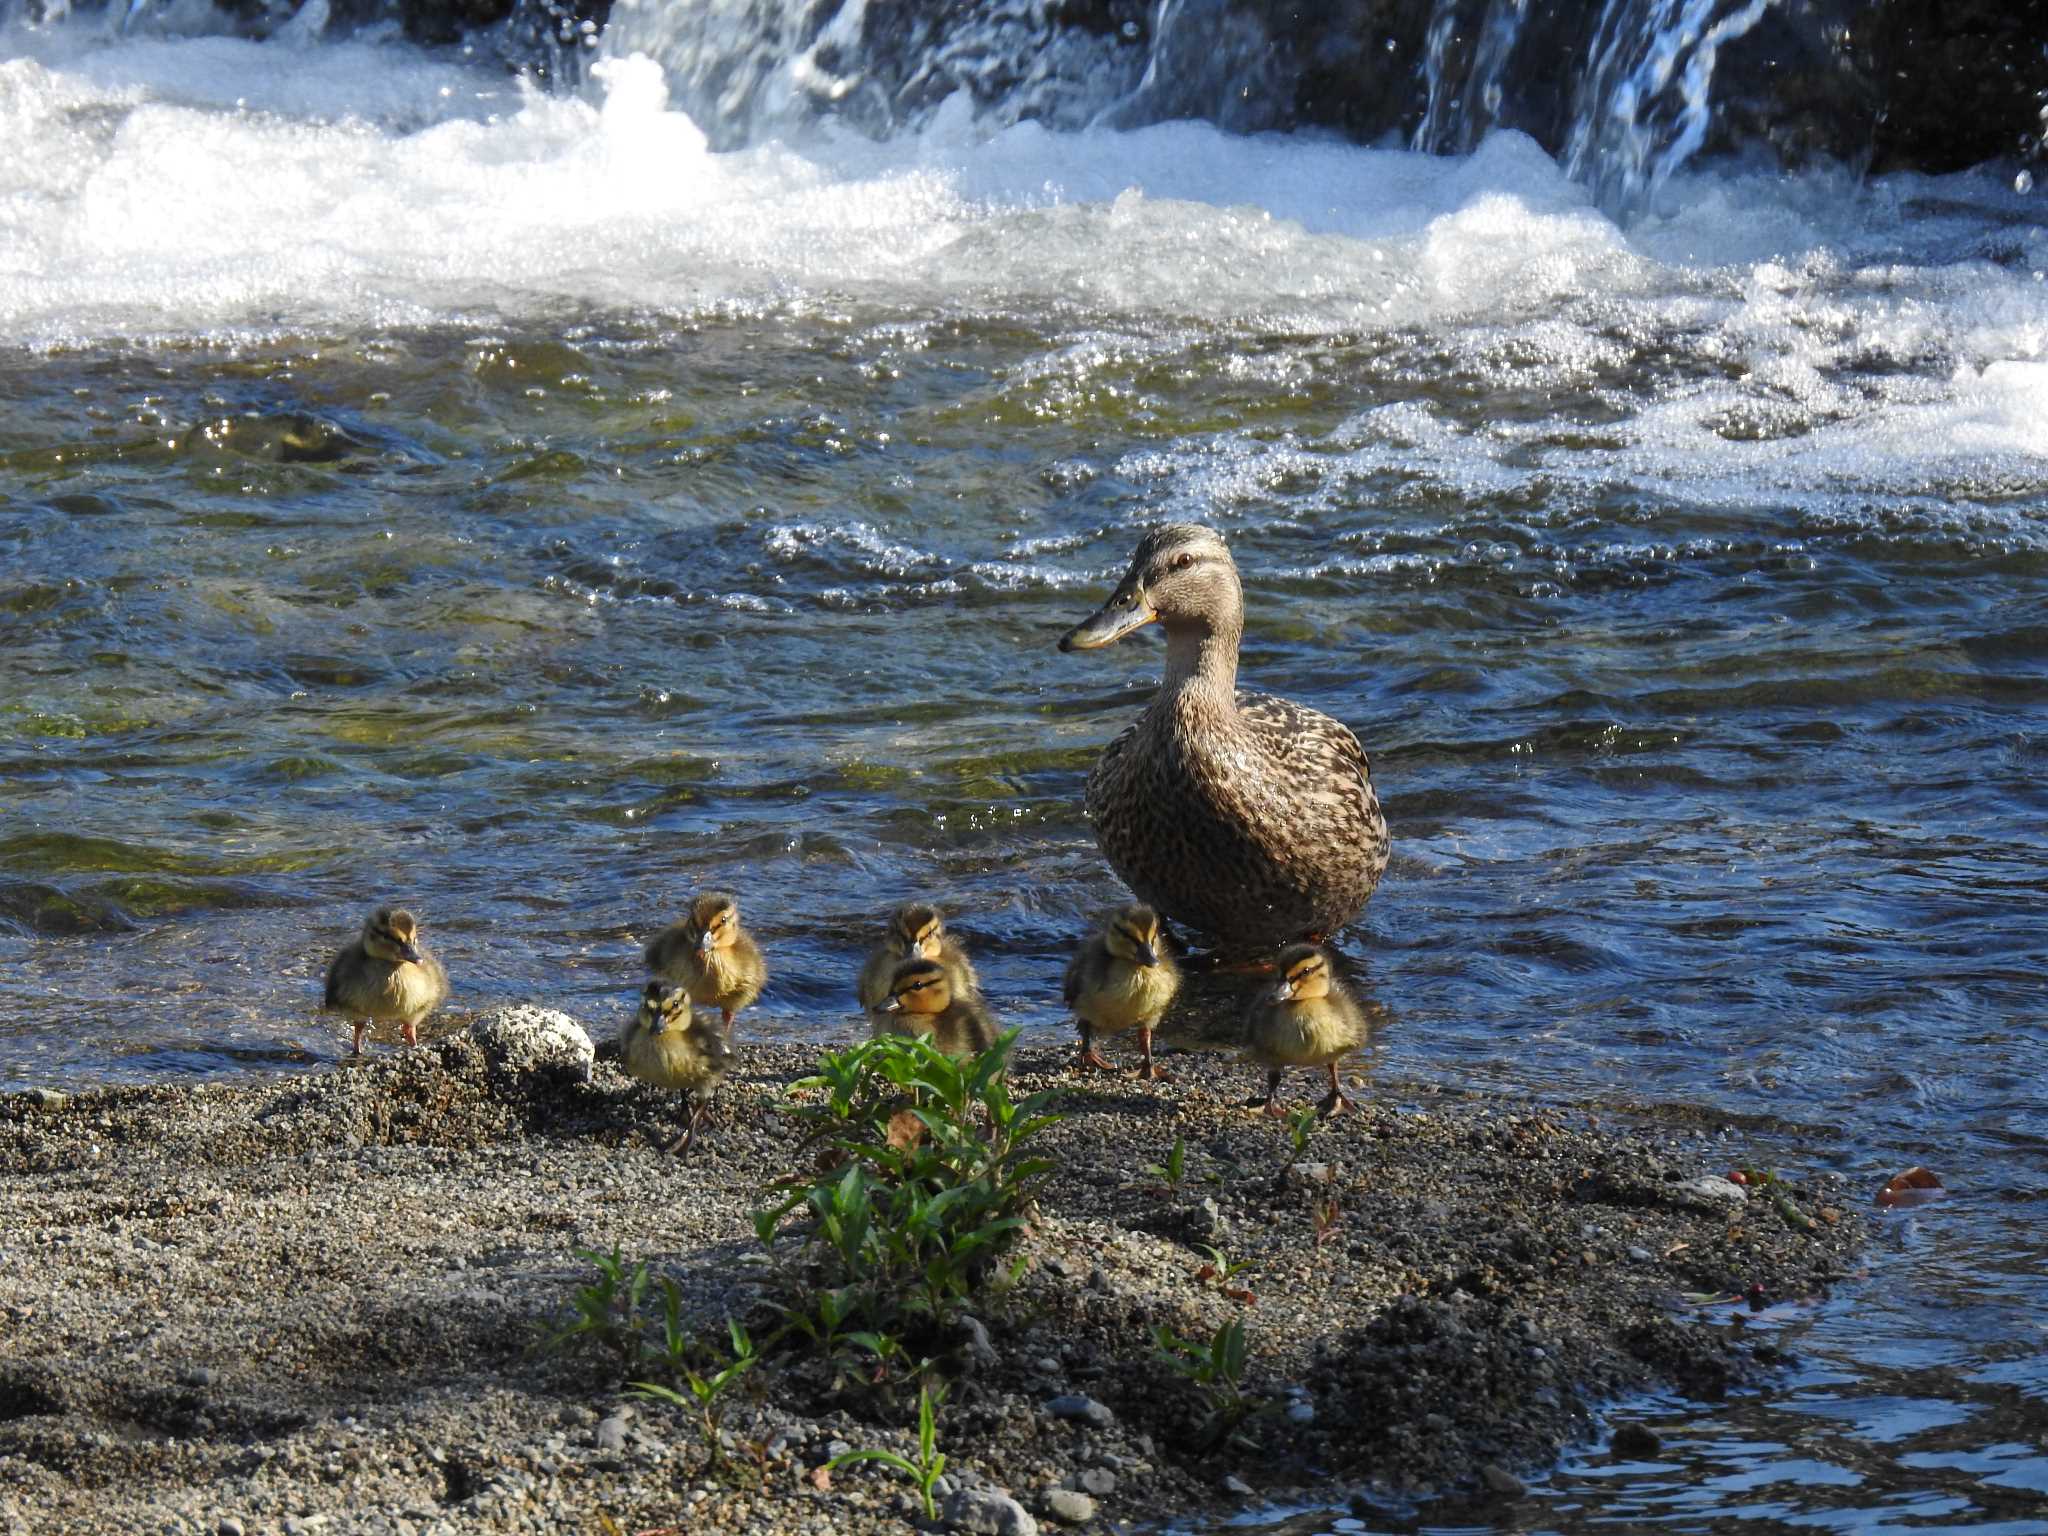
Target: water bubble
[{"x": 2024, "y": 182}]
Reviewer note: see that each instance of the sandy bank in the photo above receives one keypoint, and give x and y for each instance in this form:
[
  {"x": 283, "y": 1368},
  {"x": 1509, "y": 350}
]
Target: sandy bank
[{"x": 317, "y": 1302}]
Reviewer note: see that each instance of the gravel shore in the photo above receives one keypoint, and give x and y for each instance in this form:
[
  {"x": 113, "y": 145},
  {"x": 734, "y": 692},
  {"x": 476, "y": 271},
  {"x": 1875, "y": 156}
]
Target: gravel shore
[{"x": 319, "y": 1302}]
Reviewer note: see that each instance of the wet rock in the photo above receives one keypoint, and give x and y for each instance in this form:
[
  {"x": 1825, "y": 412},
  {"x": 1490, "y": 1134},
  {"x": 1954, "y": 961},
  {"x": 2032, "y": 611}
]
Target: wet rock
[
  {"x": 1084, "y": 1410},
  {"x": 48, "y": 1100},
  {"x": 987, "y": 1512},
  {"x": 1237, "y": 1486},
  {"x": 1498, "y": 1480},
  {"x": 1636, "y": 1440},
  {"x": 1069, "y": 1506},
  {"x": 528, "y": 1041}
]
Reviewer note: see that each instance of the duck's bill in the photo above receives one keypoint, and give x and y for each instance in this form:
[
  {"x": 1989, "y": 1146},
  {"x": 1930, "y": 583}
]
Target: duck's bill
[
  {"x": 410, "y": 952},
  {"x": 1124, "y": 612},
  {"x": 1146, "y": 954}
]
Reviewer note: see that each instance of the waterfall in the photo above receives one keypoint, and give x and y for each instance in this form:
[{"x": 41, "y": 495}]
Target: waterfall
[
  {"x": 1624, "y": 93},
  {"x": 1641, "y": 107}
]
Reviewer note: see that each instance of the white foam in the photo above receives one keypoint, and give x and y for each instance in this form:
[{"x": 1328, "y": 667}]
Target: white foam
[{"x": 217, "y": 189}]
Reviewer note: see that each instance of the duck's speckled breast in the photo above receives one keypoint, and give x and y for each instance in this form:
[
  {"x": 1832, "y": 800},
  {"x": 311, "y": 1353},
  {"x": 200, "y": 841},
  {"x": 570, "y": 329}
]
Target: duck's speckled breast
[{"x": 1255, "y": 825}]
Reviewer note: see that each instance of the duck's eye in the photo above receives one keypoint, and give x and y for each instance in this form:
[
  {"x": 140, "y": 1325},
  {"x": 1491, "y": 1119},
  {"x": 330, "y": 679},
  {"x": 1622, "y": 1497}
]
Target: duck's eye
[{"x": 1183, "y": 560}]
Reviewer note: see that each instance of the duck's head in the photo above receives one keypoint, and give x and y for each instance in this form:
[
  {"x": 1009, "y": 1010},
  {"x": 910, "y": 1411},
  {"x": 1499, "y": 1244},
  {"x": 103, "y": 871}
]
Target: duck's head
[
  {"x": 664, "y": 1006},
  {"x": 714, "y": 921},
  {"x": 1181, "y": 575},
  {"x": 1132, "y": 933},
  {"x": 1304, "y": 974},
  {"x": 919, "y": 986},
  {"x": 916, "y": 929},
  {"x": 392, "y": 934}
]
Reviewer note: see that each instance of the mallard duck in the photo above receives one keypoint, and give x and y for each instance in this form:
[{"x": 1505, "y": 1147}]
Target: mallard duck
[
  {"x": 915, "y": 929},
  {"x": 711, "y": 956},
  {"x": 1242, "y": 815},
  {"x": 1122, "y": 975},
  {"x": 386, "y": 974},
  {"x": 921, "y": 1002},
  {"x": 669, "y": 1046},
  {"x": 1304, "y": 1019}
]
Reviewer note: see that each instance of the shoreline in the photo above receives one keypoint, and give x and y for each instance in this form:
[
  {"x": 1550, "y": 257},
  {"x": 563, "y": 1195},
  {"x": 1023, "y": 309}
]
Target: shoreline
[{"x": 318, "y": 1302}]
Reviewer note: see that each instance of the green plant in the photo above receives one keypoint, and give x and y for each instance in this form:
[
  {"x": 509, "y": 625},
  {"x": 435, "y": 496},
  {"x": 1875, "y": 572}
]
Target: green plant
[
  {"x": 607, "y": 1312},
  {"x": 1174, "y": 1169},
  {"x": 705, "y": 1387},
  {"x": 904, "y": 1228},
  {"x": 1216, "y": 1370},
  {"x": 930, "y": 1460},
  {"x": 1301, "y": 1125}
]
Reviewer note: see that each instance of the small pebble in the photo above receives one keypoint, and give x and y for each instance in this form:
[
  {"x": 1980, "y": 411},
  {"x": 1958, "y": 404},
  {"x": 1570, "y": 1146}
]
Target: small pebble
[
  {"x": 230, "y": 1526},
  {"x": 1234, "y": 1484},
  {"x": 1085, "y": 1410},
  {"x": 1069, "y": 1506}
]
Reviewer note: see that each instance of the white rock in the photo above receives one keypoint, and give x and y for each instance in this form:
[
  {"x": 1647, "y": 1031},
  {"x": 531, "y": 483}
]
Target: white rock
[
  {"x": 525, "y": 1039},
  {"x": 1714, "y": 1188},
  {"x": 985, "y": 1512}
]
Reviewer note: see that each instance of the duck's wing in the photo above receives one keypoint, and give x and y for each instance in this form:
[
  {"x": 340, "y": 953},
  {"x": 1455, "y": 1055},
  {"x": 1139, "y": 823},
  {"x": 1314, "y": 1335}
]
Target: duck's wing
[
  {"x": 1306, "y": 741},
  {"x": 1115, "y": 761}
]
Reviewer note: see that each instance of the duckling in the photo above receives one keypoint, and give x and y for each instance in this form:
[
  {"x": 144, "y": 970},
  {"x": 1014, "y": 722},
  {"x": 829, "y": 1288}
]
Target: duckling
[
  {"x": 915, "y": 928},
  {"x": 921, "y": 1002},
  {"x": 667, "y": 1045},
  {"x": 1305, "y": 1019},
  {"x": 1247, "y": 817},
  {"x": 709, "y": 954},
  {"x": 1122, "y": 976},
  {"x": 386, "y": 974}
]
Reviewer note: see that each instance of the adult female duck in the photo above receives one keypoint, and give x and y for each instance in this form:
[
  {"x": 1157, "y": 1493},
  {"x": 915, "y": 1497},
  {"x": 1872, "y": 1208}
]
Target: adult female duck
[{"x": 1248, "y": 817}]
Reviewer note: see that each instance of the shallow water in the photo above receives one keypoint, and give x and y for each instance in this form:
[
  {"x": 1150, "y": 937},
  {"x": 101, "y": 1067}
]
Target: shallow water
[{"x": 410, "y": 488}]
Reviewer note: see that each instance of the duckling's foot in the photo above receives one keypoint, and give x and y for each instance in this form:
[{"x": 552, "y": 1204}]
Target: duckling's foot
[
  {"x": 1152, "y": 1072},
  {"x": 1274, "y": 1109},
  {"x": 680, "y": 1147},
  {"x": 362, "y": 1026},
  {"x": 1332, "y": 1104},
  {"x": 411, "y": 1031},
  {"x": 1093, "y": 1059}
]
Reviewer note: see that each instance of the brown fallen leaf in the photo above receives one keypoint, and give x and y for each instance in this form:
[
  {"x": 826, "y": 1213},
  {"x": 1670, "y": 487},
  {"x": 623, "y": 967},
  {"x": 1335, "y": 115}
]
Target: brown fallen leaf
[
  {"x": 1242, "y": 1298},
  {"x": 905, "y": 1130},
  {"x": 820, "y": 1478},
  {"x": 1915, "y": 1186},
  {"x": 1676, "y": 1248}
]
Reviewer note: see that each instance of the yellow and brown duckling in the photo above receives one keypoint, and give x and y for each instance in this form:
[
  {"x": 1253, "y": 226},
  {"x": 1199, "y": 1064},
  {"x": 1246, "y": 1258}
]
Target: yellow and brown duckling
[
  {"x": 916, "y": 930},
  {"x": 1120, "y": 977},
  {"x": 1247, "y": 817},
  {"x": 386, "y": 974},
  {"x": 921, "y": 1001},
  {"x": 669, "y": 1045},
  {"x": 1304, "y": 1019},
  {"x": 710, "y": 956}
]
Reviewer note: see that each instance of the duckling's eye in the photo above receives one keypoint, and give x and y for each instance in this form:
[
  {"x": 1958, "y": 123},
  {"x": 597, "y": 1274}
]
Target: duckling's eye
[{"x": 1183, "y": 560}]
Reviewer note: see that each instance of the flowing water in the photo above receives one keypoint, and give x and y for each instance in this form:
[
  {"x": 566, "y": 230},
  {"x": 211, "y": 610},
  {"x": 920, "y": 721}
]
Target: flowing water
[{"x": 414, "y": 486}]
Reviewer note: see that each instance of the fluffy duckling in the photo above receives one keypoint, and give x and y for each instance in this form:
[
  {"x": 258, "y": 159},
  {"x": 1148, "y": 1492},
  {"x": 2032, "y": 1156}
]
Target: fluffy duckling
[
  {"x": 916, "y": 929},
  {"x": 921, "y": 1001},
  {"x": 669, "y": 1046},
  {"x": 387, "y": 974},
  {"x": 1120, "y": 977},
  {"x": 711, "y": 956},
  {"x": 1305, "y": 1019}
]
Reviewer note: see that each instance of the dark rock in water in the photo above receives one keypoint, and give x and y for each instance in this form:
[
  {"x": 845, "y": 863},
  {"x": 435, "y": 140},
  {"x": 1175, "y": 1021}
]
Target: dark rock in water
[{"x": 1636, "y": 1441}]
